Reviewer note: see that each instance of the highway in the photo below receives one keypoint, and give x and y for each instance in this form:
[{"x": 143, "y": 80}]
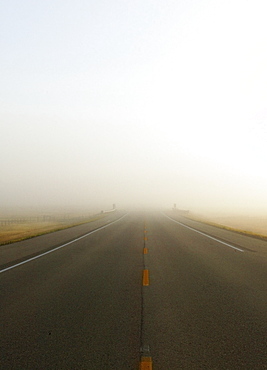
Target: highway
[{"x": 138, "y": 290}]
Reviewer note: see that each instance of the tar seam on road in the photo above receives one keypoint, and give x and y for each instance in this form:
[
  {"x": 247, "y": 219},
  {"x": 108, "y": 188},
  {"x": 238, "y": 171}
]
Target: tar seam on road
[
  {"x": 61, "y": 246},
  {"x": 208, "y": 236}
]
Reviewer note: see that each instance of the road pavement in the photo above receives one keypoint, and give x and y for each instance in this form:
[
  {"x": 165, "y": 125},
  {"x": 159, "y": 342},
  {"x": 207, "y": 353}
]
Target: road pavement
[{"x": 146, "y": 290}]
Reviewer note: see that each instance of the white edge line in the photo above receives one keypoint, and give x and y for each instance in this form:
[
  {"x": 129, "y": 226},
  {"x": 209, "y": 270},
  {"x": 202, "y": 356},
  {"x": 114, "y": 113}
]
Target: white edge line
[
  {"x": 61, "y": 246},
  {"x": 208, "y": 236}
]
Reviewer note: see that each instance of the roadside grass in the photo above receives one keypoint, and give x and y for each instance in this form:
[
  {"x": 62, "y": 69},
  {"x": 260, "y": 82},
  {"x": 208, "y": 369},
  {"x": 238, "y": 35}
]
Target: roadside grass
[
  {"x": 18, "y": 232},
  {"x": 221, "y": 226}
]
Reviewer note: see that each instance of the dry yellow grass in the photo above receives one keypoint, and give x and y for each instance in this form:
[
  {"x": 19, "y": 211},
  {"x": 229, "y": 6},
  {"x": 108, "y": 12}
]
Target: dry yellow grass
[
  {"x": 17, "y": 232},
  {"x": 251, "y": 225}
]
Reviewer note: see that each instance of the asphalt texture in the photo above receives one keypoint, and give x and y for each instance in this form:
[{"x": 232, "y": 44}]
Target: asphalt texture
[{"x": 85, "y": 305}]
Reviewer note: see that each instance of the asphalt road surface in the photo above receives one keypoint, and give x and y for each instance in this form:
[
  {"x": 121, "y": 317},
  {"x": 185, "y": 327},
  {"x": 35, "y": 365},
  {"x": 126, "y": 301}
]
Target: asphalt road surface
[{"x": 139, "y": 290}]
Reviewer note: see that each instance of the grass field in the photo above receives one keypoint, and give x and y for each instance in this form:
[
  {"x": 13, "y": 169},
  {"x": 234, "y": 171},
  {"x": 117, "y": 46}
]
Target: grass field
[
  {"x": 15, "y": 229},
  {"x": 251, "y": 225}
]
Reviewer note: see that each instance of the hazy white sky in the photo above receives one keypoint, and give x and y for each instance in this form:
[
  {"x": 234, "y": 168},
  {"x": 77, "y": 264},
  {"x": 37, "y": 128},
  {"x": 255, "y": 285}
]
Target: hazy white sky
[{"x": 149, "y": 102}]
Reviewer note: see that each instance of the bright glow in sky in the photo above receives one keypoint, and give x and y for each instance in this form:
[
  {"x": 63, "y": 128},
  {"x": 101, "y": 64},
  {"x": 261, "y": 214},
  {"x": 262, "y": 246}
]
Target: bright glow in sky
[{"x": 149, "y": 102}]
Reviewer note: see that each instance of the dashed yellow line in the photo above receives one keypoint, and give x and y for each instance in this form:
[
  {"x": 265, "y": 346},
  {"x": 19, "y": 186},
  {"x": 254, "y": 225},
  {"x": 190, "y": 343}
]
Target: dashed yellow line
[
  {"x": 145, "y": 238},
  {"x": 146, "y": 363},
  {"x": 145, "y": 277},
  {"x": 145, "y": 250}
]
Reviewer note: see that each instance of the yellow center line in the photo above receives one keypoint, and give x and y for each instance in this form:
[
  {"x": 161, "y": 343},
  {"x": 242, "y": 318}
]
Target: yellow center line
[
  {"x": 145, "y": 238},
  {"x": 145, "y": 250},
  {"x": 146, "y": 363},
  {"x": 145, "y": 277}
]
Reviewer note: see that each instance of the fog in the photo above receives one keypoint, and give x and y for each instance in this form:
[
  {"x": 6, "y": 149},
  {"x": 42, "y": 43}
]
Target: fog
[{"x": 137, "y": 103}]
